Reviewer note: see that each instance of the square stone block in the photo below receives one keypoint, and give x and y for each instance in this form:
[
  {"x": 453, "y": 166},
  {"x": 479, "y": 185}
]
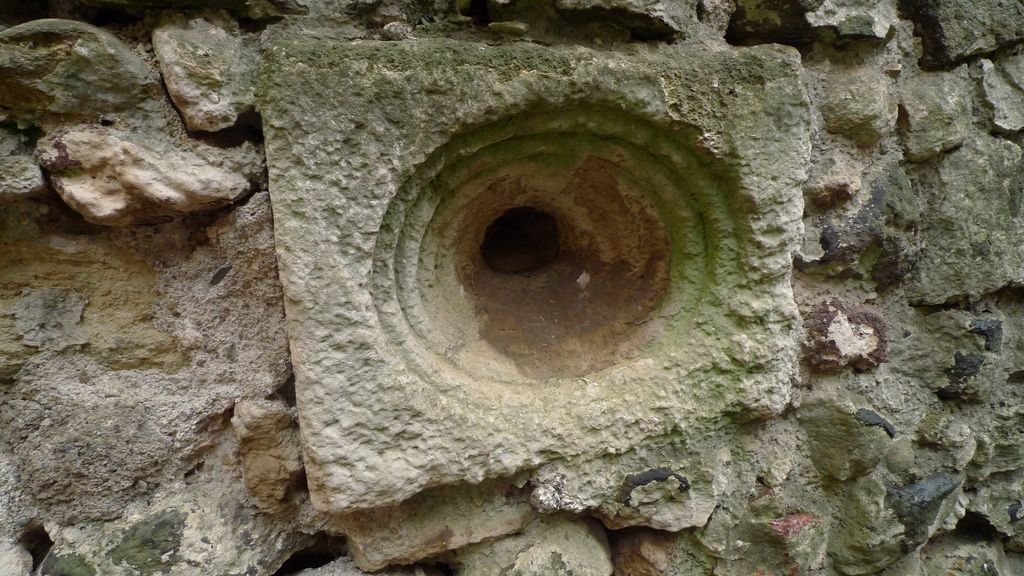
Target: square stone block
[{"x": 496, "y": 256}]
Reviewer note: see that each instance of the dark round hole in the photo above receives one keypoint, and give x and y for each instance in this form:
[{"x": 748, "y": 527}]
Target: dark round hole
[{"x": 521, "y": 240}]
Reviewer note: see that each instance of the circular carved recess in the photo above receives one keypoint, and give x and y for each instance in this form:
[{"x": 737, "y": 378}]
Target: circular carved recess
[{"x": 551, "y": 246}]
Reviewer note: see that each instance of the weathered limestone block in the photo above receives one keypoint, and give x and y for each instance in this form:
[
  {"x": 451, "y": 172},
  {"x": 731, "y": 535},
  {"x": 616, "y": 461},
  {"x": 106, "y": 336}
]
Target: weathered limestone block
[
  {"x": 434, "y": 522},
  {"x": 50, "y": 318},
  {"x": 551, "y": 546},
  {"x": 435, "y": 344},
  {"x": 651, "y": 18},
  {"x": 854, "y": 18},
  {"x": 882, "y": 520},
  {"x": 962, "y": 555},
  {"x": 838, "y": 336},
  {"x": 937, "y": 113},
  {"x": 63, "y": 68},
  {"x": 1003, "y": 85},
  {"x": 972, "y": 233},
  {"x": 208, "y": 70},
  {"x": 844, "y": 439},
  {"x": 20, "y": 176},
  {"x": 14, "y": 560},
  {"x": 858, "y": 105},
  {"x": 668, "y": 487},
  {"x": 763, "y": 531},
  {"x": 801, "y": 21},
  {"x": 832, "y": 181},
  {"x": 268, "y": 446},
  {"x": 1000, "y": 500},
  {"x": 119, "y": 178},
  {"x": 204, "y": 529},
  {"x": 345, "y": 567},
  {"x": 954, "y": 30}
]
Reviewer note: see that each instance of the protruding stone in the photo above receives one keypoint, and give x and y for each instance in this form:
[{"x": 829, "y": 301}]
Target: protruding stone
[
  {"x": 832, "y": 181},
  {"x": 209, "y": 72},
  {"x": 845, "y": 440},
  {"x": 66, "y": 68},
  {"x": 972, "y": 233},
  {"x": 20, "y": 176},
  {"x": 118, "y": 178},
  {"x": 858, "y": 106},
  {"x": 937, "y": 114},
  {"x": 854, "y": 19},
  {"x": 882, "y": 520},
  {"x": 208, "y": 528},
  {"x": 434, "y": 522},
  {"x": 345, "y": 567},
  {"x": 48, "y": 318},
  {"x": 838, "y": 336},
  {"x": 269, "y": 448},
  {"x": 954, "y": 30},
  {"x": 551, "y": 546},
  {"x": 1003, "y": 84},
  {"x": 965, "y": 555}
]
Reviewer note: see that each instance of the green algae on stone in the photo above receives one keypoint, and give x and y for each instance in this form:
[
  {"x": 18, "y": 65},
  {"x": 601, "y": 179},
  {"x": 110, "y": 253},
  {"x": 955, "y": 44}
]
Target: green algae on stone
[
  {"x": 66, "y": 565},
  {"x": 150, "y": 546}
]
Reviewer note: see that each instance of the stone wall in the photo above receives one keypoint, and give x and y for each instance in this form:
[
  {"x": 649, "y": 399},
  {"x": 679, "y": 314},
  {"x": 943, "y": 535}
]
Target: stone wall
[{"x": 511, "y": 287}]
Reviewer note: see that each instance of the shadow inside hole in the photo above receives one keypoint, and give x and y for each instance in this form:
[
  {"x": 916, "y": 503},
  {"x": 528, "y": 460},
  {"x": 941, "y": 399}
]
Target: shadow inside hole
[
  {"x": 37, "y": 542},
  {"x": 322, "y": 551},
  {"x": 521, "y": 240}
]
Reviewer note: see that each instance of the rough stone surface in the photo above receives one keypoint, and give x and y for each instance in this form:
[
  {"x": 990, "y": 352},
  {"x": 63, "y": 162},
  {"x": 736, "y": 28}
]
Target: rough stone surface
[
  {"x": 572, "y": 287},
  {"x": 858, "y": 105},
  {"x": 65, "y": 68},
  {"x": 345, "y": 567},
  {"x": 463, "y": 417},
  {"x": 208, "y": 71},
  {"x": 550, "y": 546},
  {"x": 973, "y": 220},
  {"x": 269, "y": 448},
  {"x": 953, "y": 30},
  {"x": 1003, "y": 84},
  {"x": 14, "y": 560},
  {"x": 20, "y": 176},
  {"x": 116, "y": 179},
  {"x": 434, "y": 522},
  {"x": 936, "y": 108}
]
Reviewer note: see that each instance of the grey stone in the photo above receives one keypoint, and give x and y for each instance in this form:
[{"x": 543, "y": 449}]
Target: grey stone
[
  {"x": 1003, "y": 84},
  {"x": 937, "y": 111},
  {"x": 881, "y": 521},
  {"x": 14, "y": 560},
  {"x": 49, "y": 318},
  {"x": 449, "y": 404},
  {"x": 345, "y": 567},
  {"x": 842, "y": 445},
  {"x": 971, "y": 236},
  {"x": 551, "y": 546},
  {"x": 62, "y": 68},
  {"x": 209, "y": 72},
  {"x": 855, "y": 18},
  {"x": 858, "y": 105},
  {"x": 20, "y": 176},
  {"x": 954, "y": 30}
]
